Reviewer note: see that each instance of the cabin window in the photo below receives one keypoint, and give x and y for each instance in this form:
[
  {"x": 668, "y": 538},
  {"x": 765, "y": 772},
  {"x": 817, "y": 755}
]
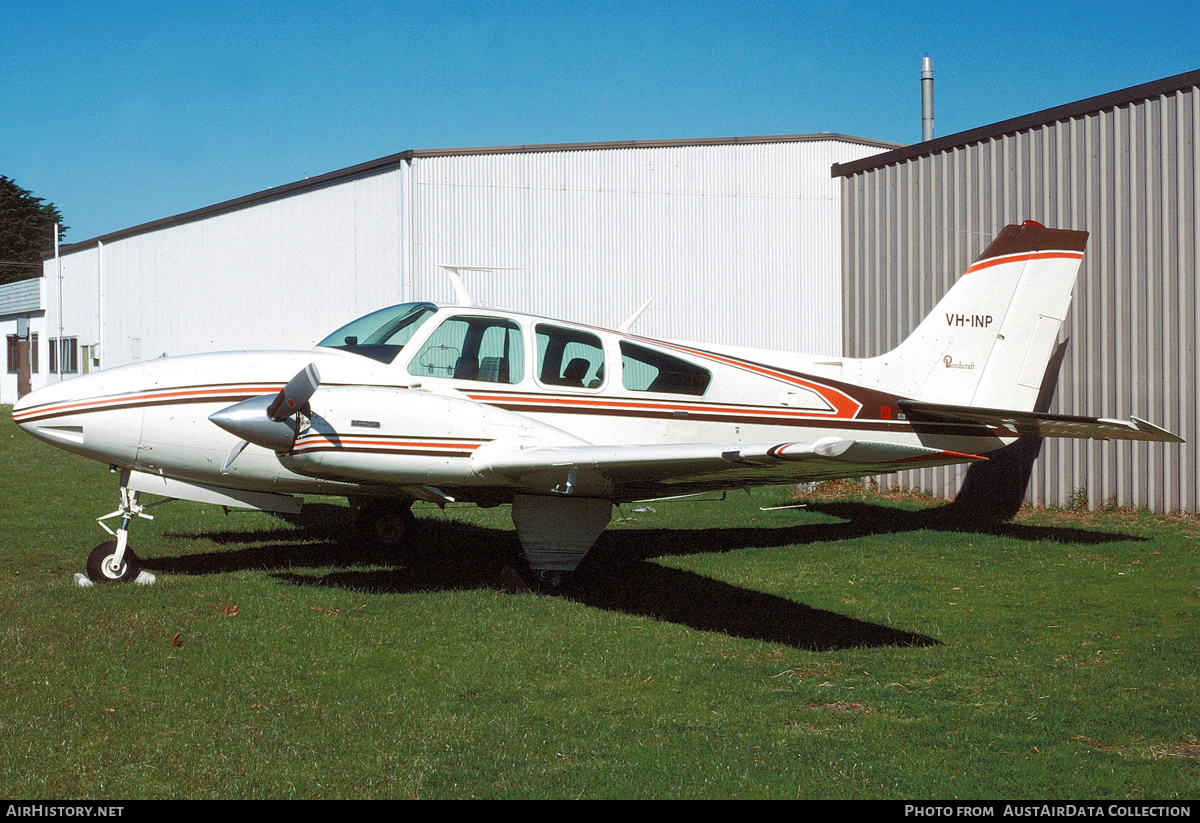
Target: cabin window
[
  {"x": 381, "y": 335},
  {"x": 486, "y": 349},
  {"x": 569, "y": 357},
  {"x": 644, "y": 369}
]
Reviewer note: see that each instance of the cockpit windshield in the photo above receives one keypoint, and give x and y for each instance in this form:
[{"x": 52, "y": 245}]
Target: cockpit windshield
[{"x": 381, "y": 335}]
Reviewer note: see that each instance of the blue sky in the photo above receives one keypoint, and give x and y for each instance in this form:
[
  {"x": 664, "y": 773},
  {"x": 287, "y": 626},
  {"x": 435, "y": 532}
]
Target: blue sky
[{"x": 121, "y": 113}]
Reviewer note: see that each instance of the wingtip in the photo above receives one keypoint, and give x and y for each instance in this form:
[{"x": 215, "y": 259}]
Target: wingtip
[{"x": 1162, "y": 434}]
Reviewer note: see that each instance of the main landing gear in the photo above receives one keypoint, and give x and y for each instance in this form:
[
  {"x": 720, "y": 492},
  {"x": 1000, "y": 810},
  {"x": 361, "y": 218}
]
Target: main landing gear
[
  {"x": 113, "y": 561},
  {"x": 385, "y": 522}
]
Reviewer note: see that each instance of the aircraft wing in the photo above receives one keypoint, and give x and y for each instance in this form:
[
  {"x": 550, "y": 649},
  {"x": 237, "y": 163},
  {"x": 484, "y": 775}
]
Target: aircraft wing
[
  {"x": 636, "y": 472},
  {"x": 1039, "y": 423}
]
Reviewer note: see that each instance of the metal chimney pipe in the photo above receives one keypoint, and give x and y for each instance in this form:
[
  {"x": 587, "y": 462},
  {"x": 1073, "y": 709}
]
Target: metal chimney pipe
[{"x": 926, "y": 99}]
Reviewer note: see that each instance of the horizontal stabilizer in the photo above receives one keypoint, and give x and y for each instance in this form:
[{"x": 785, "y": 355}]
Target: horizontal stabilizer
[{"x": 1039, "y": 423}]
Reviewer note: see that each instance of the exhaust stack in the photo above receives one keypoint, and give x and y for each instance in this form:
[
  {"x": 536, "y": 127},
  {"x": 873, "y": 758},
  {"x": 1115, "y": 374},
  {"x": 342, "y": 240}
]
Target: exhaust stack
[{"x": 926, "y": 99}]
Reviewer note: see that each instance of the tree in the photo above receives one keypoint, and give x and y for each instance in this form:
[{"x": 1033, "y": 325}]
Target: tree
[{"x": 26, "y": 231}]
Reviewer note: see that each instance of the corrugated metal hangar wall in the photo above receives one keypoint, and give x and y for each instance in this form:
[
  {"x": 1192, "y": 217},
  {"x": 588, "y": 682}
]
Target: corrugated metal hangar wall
[
  {"x": 737, "y": 240},
  {"x": 1123, "y": 167}
]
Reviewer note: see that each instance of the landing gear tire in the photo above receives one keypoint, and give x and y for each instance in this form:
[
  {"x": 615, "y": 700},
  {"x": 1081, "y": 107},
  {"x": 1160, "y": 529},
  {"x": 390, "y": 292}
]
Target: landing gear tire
[
  {"x": 101, "y": 569},
  {"x": 550, "y": 580},
  {"x": 385, "y": 525}
]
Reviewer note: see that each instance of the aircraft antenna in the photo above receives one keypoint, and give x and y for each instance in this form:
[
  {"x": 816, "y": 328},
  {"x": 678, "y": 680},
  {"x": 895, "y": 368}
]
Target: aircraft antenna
[
  {"x": 460, "y": 288},
  {"x": 629, "y": 321}
]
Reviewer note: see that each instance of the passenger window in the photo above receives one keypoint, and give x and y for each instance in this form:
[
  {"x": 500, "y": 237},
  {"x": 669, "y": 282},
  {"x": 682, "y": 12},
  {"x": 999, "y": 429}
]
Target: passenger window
[
  {"x": 568, "y": 357},
  {"x": 486, "y": 349},
  {"x": 648, "y": 370}
]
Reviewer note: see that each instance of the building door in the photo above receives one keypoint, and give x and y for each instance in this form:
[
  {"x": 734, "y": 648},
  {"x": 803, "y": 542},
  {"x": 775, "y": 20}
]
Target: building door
[{"x": 24, "y": 369}]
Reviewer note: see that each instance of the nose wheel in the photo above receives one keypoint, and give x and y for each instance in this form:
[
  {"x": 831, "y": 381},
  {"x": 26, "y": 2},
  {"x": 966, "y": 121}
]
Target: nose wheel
[{"x": 103, "y": 565}]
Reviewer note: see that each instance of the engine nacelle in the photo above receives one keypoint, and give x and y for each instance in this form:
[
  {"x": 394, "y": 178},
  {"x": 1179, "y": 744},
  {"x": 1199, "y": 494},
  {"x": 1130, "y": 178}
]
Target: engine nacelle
[{"x": 367, "y": 434}]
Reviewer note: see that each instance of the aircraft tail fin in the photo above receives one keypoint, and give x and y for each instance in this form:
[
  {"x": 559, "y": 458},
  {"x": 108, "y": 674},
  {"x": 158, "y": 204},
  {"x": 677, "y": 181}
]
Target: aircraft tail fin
[{"x": 990, "y": 338}]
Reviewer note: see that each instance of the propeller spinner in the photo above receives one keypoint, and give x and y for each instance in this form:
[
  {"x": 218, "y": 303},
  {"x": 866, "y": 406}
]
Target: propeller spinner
[{"x": 269, "y": 421}]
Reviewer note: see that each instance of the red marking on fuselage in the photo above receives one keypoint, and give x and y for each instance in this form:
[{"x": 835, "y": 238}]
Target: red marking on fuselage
[
  {"x": 1016, "y": 258},
  {"x": 843, "y": 405}
]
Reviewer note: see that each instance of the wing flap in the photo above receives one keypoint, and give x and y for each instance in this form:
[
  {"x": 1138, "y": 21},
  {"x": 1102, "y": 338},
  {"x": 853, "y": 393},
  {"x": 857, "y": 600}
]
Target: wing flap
[
  {"x": 1041, "y": 424},
  {"x": 646, "y": 470}
]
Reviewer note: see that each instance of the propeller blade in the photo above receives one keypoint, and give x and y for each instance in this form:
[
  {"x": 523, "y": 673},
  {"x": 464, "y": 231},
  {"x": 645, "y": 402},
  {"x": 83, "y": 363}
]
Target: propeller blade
[
  {"x": 295, "y": 394},
  {"x": 233, "y": 453}
]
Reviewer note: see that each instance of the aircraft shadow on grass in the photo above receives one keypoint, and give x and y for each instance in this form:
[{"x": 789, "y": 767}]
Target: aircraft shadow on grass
[{"x": 618, "y": 574}]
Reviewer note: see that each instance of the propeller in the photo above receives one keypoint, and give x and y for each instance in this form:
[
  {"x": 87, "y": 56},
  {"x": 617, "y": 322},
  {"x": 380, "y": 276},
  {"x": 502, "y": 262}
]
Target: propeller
[
  {"x": 267, "y": 420},
  {"x": 295, "y": 394}
]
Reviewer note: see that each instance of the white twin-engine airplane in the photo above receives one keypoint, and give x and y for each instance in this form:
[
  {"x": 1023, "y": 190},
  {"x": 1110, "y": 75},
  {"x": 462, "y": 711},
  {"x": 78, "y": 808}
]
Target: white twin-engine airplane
[{"x": 561, "y": 420}]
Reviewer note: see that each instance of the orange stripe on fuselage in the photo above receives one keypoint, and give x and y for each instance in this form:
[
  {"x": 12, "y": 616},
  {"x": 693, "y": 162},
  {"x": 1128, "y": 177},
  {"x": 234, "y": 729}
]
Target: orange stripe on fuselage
[
  {"x": 309, "y": 440},
  {"x": 843, "y": 404},
  {"x": 117, "y": 400}
]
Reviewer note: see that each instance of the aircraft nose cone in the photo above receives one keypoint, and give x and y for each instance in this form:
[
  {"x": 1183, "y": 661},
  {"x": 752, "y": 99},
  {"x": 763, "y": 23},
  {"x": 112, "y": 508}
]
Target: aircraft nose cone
[
  {"x": 96, "y": 415},
  {"x": 68, "y": 398}
]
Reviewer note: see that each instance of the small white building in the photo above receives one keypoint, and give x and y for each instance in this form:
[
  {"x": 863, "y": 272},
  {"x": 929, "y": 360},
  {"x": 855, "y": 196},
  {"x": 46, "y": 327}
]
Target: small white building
[
  {"x": 23, "y": 325},
  {"x": 737, "y": 240}
]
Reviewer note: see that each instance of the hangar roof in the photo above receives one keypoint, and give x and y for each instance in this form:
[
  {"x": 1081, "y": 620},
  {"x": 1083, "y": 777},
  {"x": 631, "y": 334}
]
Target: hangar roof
[
  {"x": 383, "y": 164},
  {"x": 1080, "y": 108}
]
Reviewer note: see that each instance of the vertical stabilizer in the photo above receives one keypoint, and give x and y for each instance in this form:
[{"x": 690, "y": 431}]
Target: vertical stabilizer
[{"x": 988, "y": 341}]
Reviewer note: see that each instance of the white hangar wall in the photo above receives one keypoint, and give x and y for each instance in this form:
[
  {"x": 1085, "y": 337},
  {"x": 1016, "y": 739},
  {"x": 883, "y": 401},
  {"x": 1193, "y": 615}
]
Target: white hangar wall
[
  {"x": 1122, "y": 166},
  {"x": 738, "y": 241},
  {"x": 274, "y": 274}
]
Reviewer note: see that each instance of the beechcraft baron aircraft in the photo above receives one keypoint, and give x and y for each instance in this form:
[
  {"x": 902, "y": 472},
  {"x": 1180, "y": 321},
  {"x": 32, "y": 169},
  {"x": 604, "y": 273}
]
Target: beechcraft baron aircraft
[{"x": 562, "y": 420}]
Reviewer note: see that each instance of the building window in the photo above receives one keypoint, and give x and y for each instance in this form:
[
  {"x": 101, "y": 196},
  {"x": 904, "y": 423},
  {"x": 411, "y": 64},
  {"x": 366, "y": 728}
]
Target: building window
[
  {"x": 33, "y": 353},
  {"x": 13, "y": 359},
  {"x": 64, "y": 355},
  {"x": 68, "y": 355}
]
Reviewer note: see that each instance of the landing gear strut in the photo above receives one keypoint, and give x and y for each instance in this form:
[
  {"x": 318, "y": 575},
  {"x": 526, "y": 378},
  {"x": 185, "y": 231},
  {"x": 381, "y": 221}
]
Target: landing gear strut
[{"x": 113, "y": 561}]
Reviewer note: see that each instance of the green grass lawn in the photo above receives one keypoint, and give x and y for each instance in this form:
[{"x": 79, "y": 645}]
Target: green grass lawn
[{"x": 863, "y": 647}]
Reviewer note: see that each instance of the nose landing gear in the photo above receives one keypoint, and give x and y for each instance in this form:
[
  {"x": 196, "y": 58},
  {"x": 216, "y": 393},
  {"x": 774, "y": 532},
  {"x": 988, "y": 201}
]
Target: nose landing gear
[{"x": 113, "y": 561}]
